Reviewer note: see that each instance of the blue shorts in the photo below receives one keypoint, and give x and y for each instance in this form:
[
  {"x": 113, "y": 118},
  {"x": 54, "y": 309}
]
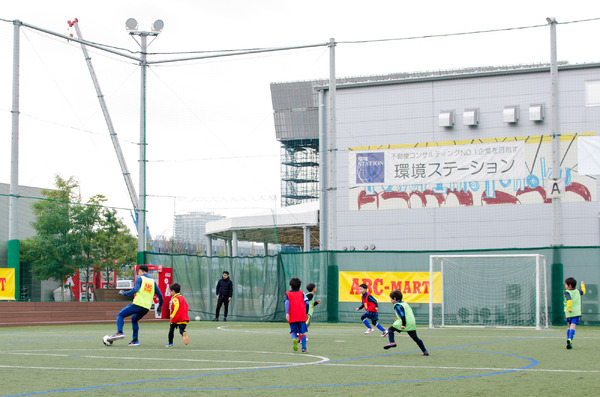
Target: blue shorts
[
  {"x": 373, "y": 316},
  {"x": 573, "y": 320},
  {"x": 298, "y": 327}
]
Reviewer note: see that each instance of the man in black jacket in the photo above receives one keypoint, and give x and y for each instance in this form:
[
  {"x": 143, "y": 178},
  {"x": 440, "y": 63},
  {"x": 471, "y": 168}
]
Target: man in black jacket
[{"x": 224, "y": 294}]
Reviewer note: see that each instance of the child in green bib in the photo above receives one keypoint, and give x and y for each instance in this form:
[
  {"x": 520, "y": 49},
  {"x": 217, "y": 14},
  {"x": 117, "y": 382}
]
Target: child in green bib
[{"x": 405, "y": 321}]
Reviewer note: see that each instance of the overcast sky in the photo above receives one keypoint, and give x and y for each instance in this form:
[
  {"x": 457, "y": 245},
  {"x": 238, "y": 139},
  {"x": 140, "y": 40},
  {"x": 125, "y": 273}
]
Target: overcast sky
[{"x": 210, "y": 131}]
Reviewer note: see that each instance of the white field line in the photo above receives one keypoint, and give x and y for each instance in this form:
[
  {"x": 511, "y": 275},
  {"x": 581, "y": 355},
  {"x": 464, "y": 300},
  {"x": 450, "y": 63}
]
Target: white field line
[
  {"x": 462, "y": 368},
  {"x": 265, "y": 364}
]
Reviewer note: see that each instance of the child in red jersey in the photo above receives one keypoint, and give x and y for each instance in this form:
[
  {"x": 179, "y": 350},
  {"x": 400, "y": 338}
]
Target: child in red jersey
[
  {"x": 179, "y": 315},
  {"x": 296, "y": 307},
  {"x": 369, "y": 303}
]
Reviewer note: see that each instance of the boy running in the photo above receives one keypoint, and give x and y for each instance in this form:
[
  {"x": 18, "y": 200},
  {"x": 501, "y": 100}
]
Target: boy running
[
  {"x": 296, "y": 306},
  {"x": 369, "y": 303},
  {"x": 572, "y": 302},
  {"x": 405, "y": 321}
]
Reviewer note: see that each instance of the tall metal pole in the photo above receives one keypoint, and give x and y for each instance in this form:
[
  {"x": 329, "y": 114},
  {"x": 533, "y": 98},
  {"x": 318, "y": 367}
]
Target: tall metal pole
[
  {"x": 13, "y": 225},
  {"x": 323, "y": 235},
  {"x": 142, "y": 201},
  {"x": 556, "y": 200},
  {"x": 557, "y": 270},
  {"x": 331, "y": 152},
  {"x": 14, "y": 261},
  {"x": 111, "y": 129}
]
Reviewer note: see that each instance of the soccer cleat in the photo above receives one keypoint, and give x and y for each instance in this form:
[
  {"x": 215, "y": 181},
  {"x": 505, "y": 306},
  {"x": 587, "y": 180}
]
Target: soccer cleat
[
  {"x": 384, "y": 333},
  {"x": 389, "y": 345},
  {"x": 216, "y": 319},
  {"x": 569, "y": 344},
  {"x": 425, "y": 353},
  {"x": 186, "y": 340},
  {"x": 225, "y": 319},
  {"x": 369, "y": 331},
  {"x": 134, "y": 343},
  {"x": 169, "y": 346},
  {"x": 118, "y": 335},
  {"x": 295, "y": 345},
  {"x": 304, "y": 351}
]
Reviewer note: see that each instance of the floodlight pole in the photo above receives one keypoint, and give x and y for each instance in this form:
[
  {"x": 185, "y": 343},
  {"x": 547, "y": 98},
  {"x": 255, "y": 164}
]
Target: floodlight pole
[
  {"x": 13, "y": 256},
  {"x": 141, "y": 211},
  {"x": 556, "y": 173}
]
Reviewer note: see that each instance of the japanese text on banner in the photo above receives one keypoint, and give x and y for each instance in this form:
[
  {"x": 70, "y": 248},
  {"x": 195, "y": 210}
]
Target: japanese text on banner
[{"x": 438, "y": 164}]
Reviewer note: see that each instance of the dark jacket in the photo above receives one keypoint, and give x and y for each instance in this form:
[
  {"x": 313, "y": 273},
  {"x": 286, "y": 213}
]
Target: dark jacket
[{"x": 224, "y": 288}]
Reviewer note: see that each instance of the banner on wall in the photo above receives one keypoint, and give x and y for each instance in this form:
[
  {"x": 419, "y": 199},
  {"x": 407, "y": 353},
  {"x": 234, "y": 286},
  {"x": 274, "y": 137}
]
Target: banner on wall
[
  {"x": 414, "y": 286},
  {"x": 438, "y": 164},
  {"x": 7, "y": 284},
  {"x": 588, "y": 150},
  {"x": 496, "y": 171}
]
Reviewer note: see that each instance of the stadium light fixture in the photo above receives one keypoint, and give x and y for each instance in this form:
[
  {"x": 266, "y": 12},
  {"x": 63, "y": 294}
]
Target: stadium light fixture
[
  {"x": 131, "y": 24},
  {"x": 158, "y": 26}
]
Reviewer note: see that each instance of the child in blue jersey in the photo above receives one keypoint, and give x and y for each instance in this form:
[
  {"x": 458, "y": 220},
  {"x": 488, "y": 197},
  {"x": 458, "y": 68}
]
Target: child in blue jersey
[
  {"x": 405, "y": 321},
  {"x": 369, "y": 303},
  {"x": 572, "y": 302},
  {"x": 296, "y": 307}
]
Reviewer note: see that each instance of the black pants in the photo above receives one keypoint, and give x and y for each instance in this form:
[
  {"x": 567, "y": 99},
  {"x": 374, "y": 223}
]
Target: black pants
[
  {"x": 412, "y": 334},
  {"x": 172, "y": 331},
  {"x": 223, "y": 300}
]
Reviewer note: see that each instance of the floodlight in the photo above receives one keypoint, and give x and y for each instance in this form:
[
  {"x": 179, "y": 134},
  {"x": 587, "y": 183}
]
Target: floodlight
[
  {"x": 158, "y": 25},
  {"x": 131, "y": 24}
]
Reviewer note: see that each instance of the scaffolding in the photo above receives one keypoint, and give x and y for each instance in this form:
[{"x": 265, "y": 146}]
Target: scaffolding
[{"x": 299, "y": 171}]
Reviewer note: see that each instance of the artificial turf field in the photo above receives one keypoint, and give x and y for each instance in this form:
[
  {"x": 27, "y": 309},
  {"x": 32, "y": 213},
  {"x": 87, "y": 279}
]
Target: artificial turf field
[{"x": 246, "y": 359}]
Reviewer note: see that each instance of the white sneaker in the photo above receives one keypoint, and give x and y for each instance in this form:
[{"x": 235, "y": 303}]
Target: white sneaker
[
  {"x": 369, "y": 331},
  {"x": 384, "y": 333}
]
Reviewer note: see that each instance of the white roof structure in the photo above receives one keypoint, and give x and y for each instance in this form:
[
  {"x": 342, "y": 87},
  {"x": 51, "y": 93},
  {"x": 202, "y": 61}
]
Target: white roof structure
[{"x": 286, "y": 225}]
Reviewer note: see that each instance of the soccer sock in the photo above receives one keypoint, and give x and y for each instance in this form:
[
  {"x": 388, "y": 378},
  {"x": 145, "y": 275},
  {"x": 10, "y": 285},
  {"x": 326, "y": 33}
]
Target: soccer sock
[
  {"x": 303, "y": 339},
  {"x": 380, "y": 328},
  {"x": 391, "y": 336},
  {"x": 120, "y": 323},
  {"x": 366, "y": 323}
]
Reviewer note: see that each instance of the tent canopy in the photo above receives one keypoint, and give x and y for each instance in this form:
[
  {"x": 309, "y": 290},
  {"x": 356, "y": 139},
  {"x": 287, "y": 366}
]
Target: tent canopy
[{"x": 283, "y": 226}]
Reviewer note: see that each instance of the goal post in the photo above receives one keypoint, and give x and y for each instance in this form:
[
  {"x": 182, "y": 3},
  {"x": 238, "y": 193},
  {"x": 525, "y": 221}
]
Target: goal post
[{"x": 488, "y": 291}]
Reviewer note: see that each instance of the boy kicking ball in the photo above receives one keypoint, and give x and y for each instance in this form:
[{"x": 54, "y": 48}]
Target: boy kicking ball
[{"x": 405, "y": 321}]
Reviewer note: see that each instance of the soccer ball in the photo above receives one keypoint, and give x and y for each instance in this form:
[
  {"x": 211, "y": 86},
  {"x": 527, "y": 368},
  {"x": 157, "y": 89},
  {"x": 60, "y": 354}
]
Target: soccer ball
[
  {"x": 197, "y": 318},
  {"x": 106, "y": 340}
]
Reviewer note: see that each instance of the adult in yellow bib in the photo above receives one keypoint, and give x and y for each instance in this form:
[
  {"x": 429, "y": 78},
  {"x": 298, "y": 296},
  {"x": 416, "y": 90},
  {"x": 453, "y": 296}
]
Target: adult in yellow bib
[{"x": 144, "y": 289}]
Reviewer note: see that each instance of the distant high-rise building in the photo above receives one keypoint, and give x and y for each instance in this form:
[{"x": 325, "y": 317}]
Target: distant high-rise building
[{"x": 191, "y": 227}]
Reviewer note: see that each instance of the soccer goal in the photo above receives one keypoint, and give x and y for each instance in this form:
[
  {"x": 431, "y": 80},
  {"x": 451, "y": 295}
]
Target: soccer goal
[{"x": 488, "y": 291}]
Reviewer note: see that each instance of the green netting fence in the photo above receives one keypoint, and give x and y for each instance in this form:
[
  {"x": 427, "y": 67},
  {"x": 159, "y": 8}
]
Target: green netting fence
[{"x": 260, "y": 282}]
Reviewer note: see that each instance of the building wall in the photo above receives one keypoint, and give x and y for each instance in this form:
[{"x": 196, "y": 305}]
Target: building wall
[
  {"x": 25, "y": 216},
  {"x": 407, "y": 113},
  {"x": 31, "y": 289}
]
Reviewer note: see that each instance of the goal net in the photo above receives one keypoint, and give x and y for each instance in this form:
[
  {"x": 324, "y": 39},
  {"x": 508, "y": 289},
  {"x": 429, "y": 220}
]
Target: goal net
[{"x": 488, "y": 291}]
